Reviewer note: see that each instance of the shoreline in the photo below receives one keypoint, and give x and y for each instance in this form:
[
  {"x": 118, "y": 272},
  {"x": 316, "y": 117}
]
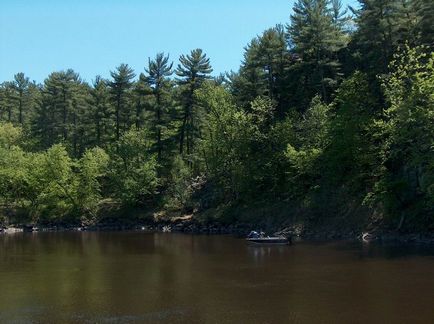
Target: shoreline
[{"x": 238, "y": 230}]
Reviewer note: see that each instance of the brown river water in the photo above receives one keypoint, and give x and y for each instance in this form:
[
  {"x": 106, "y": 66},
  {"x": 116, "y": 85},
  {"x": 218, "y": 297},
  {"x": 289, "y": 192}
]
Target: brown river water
[{"x": 173, "y": 278}]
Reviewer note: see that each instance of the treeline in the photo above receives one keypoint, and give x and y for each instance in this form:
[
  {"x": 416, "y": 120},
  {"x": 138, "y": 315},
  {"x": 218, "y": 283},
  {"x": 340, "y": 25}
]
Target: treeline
[{"x": 335, "y": 109}]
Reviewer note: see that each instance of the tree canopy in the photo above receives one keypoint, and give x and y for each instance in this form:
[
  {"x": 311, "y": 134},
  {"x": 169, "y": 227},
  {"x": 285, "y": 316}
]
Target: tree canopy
[{"x": 332, "y": 112}]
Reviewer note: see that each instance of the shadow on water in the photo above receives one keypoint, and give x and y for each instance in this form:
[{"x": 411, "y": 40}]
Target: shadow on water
[{"x": 384, "y": 250}]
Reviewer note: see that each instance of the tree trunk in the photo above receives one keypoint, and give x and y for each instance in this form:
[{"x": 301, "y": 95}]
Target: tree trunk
[
  {"x": 65, "y": 116},
  {"x": 118, "y": 107},
  {"x": 159, "y": 148},
  {"x": 182, "y": 135},
  {"x": 20, "y": 109}
]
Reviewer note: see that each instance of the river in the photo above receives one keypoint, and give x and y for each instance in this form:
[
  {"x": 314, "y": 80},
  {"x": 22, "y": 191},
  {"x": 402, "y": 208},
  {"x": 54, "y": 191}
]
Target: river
[{"x": 131, "y": 277}]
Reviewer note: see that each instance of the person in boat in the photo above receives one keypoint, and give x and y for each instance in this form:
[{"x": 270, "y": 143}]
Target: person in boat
[{"x": 253, "y": 234}]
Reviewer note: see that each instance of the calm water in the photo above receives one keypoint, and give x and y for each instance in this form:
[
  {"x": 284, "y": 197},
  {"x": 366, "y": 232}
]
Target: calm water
[{"x": 170, "y": 278}]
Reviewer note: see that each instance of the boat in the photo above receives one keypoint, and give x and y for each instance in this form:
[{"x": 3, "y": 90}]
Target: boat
[{"x": 260, "y": 238}]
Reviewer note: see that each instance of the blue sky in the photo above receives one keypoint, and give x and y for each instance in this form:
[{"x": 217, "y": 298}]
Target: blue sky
[{"x": 94, "y": 36}]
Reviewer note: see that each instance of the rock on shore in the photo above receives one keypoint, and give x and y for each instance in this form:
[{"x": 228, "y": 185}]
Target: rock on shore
[{"x": 12, "y": 230}]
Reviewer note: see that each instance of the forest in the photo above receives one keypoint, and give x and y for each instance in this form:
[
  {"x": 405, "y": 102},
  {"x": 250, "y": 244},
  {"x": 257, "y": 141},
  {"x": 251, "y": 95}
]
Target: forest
[{"x": 329, "y": 114}]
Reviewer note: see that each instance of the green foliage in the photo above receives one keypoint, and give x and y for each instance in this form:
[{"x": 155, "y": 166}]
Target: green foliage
[
  {"x": 316, "y": 110},
  {"x": 92, "y": 167},
  {"x": 304, "y": 155},
  {"x": 192, "y": 71},
  {"x": 18, "y": 99},
  {"x": 424, "y": 16},
  {"x": 21, "y": 86},
  {"x": 12, "y": 175},
  {"x": 7, "y": 98},
  {"x": 120, "y": 91},
  {"x": 193, "y": 68},
  {"x": 53, "y": 184},
  {"x": 102, "y": 126},
  {"x": 314, "y": 126},
  {"x": 9, "y": 135},
  {"x": 132, "y": 169},
  {"x": 159, "y": 71},
  {"x": 50, "y": 184},
  {"x": 351, "y": 151},
  {"x": 225, "y": 132},
  {"x": 382, "y": 26},
  {"x": 316, "y": 35},
  {"x": 406, "y": 182},
  {"x": 242, "y": 152},
  {"x": 180, "y": 189},
  {"x": 60, "y": 114},
  {"x": 263, "y": 71},
  {"x": 12, "y": 165}
]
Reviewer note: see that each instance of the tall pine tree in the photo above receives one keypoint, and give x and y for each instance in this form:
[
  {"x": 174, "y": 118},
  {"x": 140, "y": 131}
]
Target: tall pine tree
[
  {"x": 102, "y": 112},
  {"x": 316, "y": 34},
  {"x": 264, "y": 70},
  {"x": 192, "y": 70},
  {"x": 120, "y": 88},
  {"x": 159, "y": 70},
  {"x": 58, "y": 118},
  {"x": 22, "y": 84}
]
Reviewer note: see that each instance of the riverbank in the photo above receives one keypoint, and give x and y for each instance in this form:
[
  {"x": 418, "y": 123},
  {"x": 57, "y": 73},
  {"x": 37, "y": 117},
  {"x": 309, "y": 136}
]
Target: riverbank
[
  {"x": 354, "y": 222},
  {"x": 192, "y": 225}
]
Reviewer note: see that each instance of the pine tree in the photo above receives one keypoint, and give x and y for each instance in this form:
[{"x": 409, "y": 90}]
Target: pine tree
[
  {"x": 22, "y": 87},
  {"x": 192, "y": 70},
  {"x": 102, "y": 111},
  {"x": 424, "y": 22},
  {"x": 18, "y": 99},
  {"x": 81, "y": 119},
  {"x": 120, "y": 88},
  {"x": 406, "y": 18},
  {"x": 159, "y": 70},
  {"x": 382, "y": 26},
  {"x": 264, "y": 70},
  {"x": 7, "y": 101},
  {"x": 140, "y": 100},
  {"x": 62, "y": 104},
  {"x": 316, "y": 34}
]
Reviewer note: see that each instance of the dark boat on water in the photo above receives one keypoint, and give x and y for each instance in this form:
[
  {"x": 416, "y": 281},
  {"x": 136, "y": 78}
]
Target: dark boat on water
[{"x": 260, "y": 238}]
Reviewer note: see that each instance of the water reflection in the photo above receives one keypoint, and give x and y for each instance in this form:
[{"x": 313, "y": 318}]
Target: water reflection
[
  {"x": 261, "y": 254},
  {"x": 138, "y": 277}
]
